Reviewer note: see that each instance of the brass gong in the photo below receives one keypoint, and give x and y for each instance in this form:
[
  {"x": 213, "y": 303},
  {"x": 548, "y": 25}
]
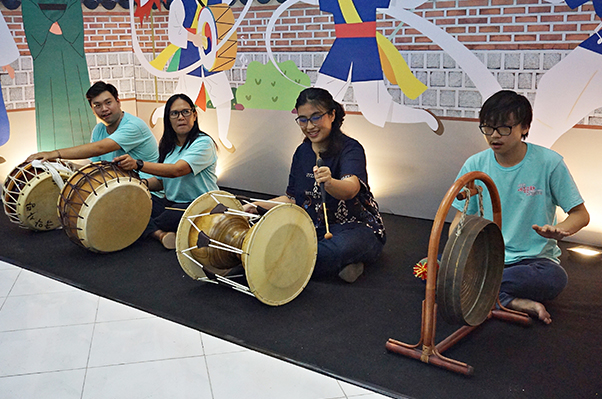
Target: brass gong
[{"x": 470, "y": 272}]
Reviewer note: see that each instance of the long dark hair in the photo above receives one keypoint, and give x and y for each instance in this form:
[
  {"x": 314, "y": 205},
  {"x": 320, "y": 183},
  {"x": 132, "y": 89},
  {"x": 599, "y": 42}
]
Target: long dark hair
[
  {"x": 321, "y": 98},
  {"x": 168, "y": 142}
]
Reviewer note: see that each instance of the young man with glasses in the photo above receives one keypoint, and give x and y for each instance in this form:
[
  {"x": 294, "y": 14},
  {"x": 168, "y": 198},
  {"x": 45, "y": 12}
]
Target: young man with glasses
[
  {"x": 532, "y": 181},
  {"x": 118, "y": 132}
]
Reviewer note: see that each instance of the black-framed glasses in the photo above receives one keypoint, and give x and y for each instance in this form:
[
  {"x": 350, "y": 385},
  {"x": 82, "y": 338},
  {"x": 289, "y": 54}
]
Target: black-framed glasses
[
  {"x": 176, "y": 114},
  {"x": 502, "y": 130},
  {"x": 315, "y": 119}
]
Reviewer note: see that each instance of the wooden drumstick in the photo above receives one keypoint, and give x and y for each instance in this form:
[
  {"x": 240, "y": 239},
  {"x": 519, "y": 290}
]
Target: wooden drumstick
[{"x": 328, "y": 234}]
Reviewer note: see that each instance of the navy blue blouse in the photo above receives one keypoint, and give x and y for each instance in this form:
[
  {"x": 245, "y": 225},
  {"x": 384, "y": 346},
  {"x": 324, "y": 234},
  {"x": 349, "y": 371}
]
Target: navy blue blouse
[{"x": 303, "y": 188}]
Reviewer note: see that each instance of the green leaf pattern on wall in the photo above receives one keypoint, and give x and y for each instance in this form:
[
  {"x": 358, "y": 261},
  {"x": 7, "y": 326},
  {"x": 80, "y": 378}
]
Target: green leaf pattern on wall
[{"x": 266, "y": 88}]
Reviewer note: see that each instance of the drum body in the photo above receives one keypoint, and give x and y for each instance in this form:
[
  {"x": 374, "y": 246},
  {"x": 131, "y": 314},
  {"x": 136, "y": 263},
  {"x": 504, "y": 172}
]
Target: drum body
[
  {"x": 30, "y": 193},
  {"x": 278, "y": 252},
  {"x": 216, "y": 21},
  {"x": 104, "y": 208}
]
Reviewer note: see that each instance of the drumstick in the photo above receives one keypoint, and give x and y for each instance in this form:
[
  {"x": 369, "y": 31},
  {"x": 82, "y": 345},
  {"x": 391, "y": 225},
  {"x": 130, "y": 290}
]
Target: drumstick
[{"x": 328, "y": 234}]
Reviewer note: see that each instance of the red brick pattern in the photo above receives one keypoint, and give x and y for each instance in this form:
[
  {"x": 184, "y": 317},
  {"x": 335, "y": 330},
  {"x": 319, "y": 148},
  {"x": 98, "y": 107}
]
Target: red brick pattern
[{"x": 478, "y": 24}]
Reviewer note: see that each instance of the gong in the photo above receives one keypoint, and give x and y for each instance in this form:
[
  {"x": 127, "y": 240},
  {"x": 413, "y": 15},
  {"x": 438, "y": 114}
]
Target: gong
[{"x": 470, "y": 272}]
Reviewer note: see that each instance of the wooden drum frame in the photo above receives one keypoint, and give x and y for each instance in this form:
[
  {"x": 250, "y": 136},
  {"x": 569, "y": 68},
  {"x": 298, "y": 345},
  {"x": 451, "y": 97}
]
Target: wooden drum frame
[
  {"x": 30, "y": 193},
  {"x": 104, "y": 208},
  {"x": 278, "y": 252}
]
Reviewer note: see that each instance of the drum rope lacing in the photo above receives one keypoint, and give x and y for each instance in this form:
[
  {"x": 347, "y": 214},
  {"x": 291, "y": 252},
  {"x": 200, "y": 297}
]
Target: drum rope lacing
[
  {"x": 462, "y": 221},
  {"x": 53, "y": 168}
]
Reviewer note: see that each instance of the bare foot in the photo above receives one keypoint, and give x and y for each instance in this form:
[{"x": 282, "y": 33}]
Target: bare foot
[
  {"x": 167, "y": 238},
  {"x": 532, "y": 308}
]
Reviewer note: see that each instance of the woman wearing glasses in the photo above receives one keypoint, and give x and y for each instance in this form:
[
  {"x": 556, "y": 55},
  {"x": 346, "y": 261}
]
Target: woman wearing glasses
[
  {"x": 186, "y": 168},
  {"x": 358, "y": 233}
]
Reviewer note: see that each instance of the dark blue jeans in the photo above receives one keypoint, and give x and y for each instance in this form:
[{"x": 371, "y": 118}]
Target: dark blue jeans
[
  {"x": 535, "y": 279},
  {"x": 164, "y": 219},
  {"x": 350, "y": 243}
]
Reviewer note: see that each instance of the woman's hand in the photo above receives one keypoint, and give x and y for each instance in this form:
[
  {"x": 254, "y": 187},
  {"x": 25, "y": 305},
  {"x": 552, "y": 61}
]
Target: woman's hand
[
  {"x": 125, "y": 162},
  {"x": 322, "y": 175}
]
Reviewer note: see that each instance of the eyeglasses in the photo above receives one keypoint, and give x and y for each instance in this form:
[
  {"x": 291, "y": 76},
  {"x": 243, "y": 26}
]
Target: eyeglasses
[
  {"x": 176, "y": 114},
  {"x": 302, "y": 120},
  {"x": 502, "y": 130}
]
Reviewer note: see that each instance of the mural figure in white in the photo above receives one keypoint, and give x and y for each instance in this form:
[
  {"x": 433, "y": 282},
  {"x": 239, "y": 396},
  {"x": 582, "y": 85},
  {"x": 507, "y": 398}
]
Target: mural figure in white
[
  {"x": 8, "y": 54},
  {"x": 203, "y": 46},
  {"x": 571, "y": 89},
  {"x": 193, "y": 29}
]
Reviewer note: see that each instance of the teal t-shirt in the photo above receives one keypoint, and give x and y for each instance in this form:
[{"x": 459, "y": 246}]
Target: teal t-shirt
[
  {"x": 529, "y": 194},
  {"x": 201, "y": 155},
  {"x": 133, "y": 136}
]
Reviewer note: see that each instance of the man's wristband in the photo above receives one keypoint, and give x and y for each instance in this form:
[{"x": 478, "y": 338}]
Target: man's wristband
[{"x": 139, "y": 164}]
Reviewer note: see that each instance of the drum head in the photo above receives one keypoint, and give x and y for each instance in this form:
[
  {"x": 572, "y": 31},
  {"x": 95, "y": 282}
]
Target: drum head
[
  {"x": 187, "y": 235},
  {"x": 279, "y": 254},
  {"x": 30, "y": 194},
  {"x": 470, "y": 273},
  {"x": 37, "y": 205},
  {"x": 116, "y": 216}
]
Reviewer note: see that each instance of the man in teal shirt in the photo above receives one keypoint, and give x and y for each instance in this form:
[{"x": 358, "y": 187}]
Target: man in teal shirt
[
  {"x": 532, "y": 182},
  {"x": 118, "y": 133}
]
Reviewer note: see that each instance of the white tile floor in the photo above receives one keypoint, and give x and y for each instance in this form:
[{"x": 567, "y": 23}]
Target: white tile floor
[{"x": 57, "y": 341}]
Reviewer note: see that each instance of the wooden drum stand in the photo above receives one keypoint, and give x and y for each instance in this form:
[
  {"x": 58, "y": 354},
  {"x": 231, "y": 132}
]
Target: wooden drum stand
[{"x": 426, "y": 350}]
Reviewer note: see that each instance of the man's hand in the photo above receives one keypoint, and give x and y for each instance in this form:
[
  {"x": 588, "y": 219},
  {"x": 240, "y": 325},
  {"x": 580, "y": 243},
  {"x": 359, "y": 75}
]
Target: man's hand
[
  {"x": 43, "y": 156},
  {"x": 549, "y": 231}
]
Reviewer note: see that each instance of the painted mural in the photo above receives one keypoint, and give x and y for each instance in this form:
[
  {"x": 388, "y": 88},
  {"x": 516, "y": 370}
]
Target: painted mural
[
  {"x": 398, "y": 65},
  {"x": 55, "y": 36},
  {"x": 203, "y": 46},
  {"x": 8, "y": 54},
  {"x": 559, "y": 106}
]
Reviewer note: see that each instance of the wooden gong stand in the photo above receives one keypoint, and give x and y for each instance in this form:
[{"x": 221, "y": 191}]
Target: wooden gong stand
[{"x": 431, "y": 353}]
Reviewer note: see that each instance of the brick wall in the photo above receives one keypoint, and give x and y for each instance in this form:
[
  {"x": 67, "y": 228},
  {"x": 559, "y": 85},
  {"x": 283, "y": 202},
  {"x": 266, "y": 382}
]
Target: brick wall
[{"x": 518, "y": 40}]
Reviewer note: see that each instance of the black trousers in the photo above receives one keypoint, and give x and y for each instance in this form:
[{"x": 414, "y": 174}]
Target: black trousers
[{"x": 164, "y": 219}]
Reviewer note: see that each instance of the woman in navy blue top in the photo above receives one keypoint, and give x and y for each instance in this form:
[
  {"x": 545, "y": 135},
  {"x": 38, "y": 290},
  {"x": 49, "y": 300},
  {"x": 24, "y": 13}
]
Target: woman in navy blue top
[{"x": 353, "y": 216}]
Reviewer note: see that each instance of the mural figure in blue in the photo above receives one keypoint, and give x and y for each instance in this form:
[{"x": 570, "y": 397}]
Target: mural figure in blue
[{"x": 359, "y": 55}]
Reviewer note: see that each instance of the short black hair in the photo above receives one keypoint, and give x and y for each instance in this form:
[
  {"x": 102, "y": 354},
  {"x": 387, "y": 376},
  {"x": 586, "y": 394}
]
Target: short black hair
[
  {"x": 100, "y": 87},
  {"x": 504, "y": 107}
]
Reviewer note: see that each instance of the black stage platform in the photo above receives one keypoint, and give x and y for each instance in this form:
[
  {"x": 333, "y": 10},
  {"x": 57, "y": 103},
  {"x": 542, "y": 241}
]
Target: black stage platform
[{"x": 340, "y": 329}]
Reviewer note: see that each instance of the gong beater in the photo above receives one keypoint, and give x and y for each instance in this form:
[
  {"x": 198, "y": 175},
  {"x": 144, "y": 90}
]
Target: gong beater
[{"x": 469, "y": 279}]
